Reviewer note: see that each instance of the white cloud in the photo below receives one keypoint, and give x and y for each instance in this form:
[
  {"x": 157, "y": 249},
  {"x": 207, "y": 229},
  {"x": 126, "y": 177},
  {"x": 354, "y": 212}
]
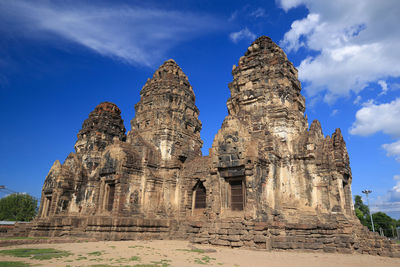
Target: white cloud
[
  {"x": 393, "y": 149},
  {"x": 356, "y": 43},
  {"x": 288, "y": 4},
  {"x": 243, "y": 34},
  {"x": 334, "y": 112},
  {"x": 135, "y": 35},
  {"x": 291, "y": 40},
  {"x": 374, "y": 118},
  {"x": 384, "y": 87}
]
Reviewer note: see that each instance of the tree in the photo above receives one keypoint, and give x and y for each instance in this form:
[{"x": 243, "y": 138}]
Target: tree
[
  {"x": 359, "y": 204},
  {"x": 362, "y": 211},
  {"x": 384, "y": 221},
  {"x": 18, "y": 207}
]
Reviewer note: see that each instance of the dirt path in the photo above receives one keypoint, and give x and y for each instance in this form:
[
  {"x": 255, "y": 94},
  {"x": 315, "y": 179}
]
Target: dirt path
[{"x": 182, "y": 253}]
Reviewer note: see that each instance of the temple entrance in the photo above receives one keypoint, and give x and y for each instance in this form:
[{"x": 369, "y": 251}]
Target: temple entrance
[
  {"x": 110, "y": 197},
  {"x": 200, "y": 197},
  {"x": 46, "y": 206},
  {"x": 237, "y": 195}
]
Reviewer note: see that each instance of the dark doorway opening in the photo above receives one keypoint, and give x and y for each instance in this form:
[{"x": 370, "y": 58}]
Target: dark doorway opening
[
  {"x": 48, "y": 205},
  {"x": 237, "y": 196},
  {"x": 111, "y": 192},
  {"x": 200, "y": 197}
]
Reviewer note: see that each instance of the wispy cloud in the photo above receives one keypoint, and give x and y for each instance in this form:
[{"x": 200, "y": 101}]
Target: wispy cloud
[
  {"x": 243, "y": 34},
  {"x": 135, "y": 35},
  {"x": 258, "y": 13},
  {"x": 248, "y": 12},
  {"x": 334, "y": 112},
  {"x": 384, "y": 87},
  {"x": 357, "y": 100}
]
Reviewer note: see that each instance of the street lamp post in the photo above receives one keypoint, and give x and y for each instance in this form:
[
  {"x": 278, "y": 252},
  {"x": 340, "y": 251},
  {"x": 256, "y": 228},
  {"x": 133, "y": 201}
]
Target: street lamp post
[{"x": 366, "y": 192}]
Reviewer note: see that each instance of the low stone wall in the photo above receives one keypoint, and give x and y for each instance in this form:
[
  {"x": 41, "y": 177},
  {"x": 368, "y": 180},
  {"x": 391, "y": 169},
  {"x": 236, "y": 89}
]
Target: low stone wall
[
  {"x": 4, "y": 229},
  {"x": 108, "y": 228},
  {"x": 19, "y": 229},
  {"x": 333, "y": 238}
]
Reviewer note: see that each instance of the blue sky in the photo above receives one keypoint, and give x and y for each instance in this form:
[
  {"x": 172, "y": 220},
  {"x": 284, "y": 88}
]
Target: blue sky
[{"x": 59, "y": 59}]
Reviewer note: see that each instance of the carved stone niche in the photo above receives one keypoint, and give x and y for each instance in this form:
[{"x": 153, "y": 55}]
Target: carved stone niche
[
  {"x": 63, "y": 203},
  {"x": 199, "y": 199}
]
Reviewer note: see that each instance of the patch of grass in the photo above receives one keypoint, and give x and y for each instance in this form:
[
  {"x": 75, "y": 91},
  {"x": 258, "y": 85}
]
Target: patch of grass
[
  {"x": 197, "y": 250},
  {"x": 134, "y": 258},
  {"x": 13, "y": 264},
  {"x": 22, "y": 238},
  {"x": 95, "y": 253},
  {"x": 204, "y": 260},
  {"x": 96, "y": 259},
  {"x": 161, "y": 263},
  {"x": 153, "y": 264},
  {"x": 136, "y": 246},
  {"x": 36, "y": 253},
  {"x": 121, "y": 260},
  {"x": 81, "y": 258},
  {"x": 113, "y": 247}
]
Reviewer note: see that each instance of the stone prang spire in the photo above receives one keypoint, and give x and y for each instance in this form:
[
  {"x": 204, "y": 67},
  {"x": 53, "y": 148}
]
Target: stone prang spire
[
  {"x": 104, "y": 123},
  {"x": 266, "y": 91},
  {"x": 166, "y": 115}
]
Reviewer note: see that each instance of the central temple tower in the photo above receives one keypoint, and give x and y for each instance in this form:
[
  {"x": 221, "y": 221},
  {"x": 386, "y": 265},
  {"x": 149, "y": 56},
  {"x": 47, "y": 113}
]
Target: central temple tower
[{"x": 166, "y": 115}]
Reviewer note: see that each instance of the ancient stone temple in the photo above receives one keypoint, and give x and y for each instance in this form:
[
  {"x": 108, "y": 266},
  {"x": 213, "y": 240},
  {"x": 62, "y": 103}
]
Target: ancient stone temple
[{"x": 270, "y": 181}]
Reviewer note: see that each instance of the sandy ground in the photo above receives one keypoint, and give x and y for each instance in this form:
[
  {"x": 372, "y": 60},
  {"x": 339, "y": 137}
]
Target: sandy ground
[{"x": 181, "y": 253}]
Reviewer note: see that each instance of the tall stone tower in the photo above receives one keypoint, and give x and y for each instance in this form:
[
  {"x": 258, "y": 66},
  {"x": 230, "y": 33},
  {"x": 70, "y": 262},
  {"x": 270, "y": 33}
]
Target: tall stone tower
[
  {"x": 98, "y": 130},
  {"x": 166, "y": 115},
  {"x": 265, "y": 158},
  {"x": 265, "y": 91},
  {"x": 67, "y": 184}
]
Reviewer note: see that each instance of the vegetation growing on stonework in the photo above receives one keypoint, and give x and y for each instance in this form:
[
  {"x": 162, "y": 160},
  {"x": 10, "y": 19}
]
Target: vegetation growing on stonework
[{"x": 18, "y": 207}]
